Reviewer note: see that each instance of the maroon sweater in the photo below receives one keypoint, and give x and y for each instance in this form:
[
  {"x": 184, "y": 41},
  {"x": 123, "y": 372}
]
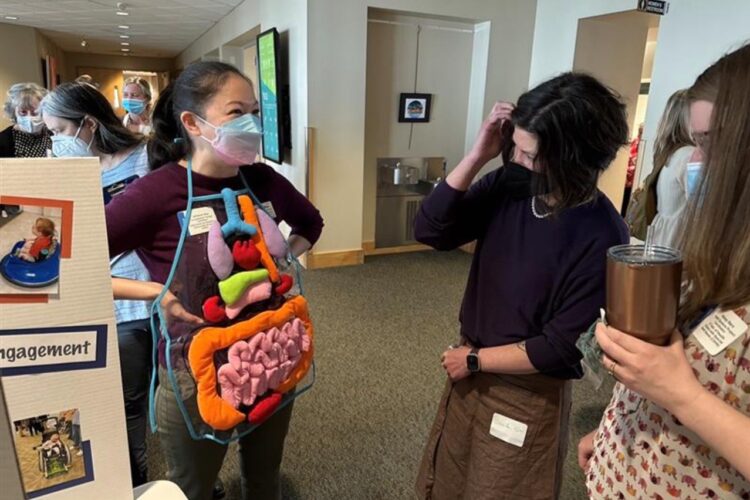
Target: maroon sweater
[{"x": 144, "y": 217}]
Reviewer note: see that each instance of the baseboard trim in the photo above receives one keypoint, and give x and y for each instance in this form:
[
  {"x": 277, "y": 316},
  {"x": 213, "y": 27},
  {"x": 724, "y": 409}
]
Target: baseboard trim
[
  {"x": 399, "y": 249},
  {"x": 368, "y": 246},
  {"x": 322, "y": 260},
  {"x": 469, "y": 247}
]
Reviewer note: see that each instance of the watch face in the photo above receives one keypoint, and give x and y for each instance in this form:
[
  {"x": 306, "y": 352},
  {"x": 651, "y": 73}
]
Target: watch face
[{"x": 472, "y": 361}]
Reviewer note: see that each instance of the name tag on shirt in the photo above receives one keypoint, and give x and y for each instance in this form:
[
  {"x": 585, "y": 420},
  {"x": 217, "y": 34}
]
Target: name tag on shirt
[
  {"x": 116, "y": 188},
  {"x": 201, "y": 220},
  {"x": 268, "y": 207},
  {"x": 508, "y": 430},
  {"x": 719, "y": 330}
]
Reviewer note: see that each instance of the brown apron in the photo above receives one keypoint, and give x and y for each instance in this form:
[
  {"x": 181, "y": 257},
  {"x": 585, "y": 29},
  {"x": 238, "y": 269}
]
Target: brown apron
[{"x": 462, "y": 460}]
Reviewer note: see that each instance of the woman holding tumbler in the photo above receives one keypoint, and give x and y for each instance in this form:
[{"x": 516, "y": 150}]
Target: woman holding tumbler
[{"x": 678, "y": 424}]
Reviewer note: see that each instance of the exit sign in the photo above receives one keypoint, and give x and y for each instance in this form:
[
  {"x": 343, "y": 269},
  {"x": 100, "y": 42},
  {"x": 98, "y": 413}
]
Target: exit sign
[{"x": 660, "y": 7}]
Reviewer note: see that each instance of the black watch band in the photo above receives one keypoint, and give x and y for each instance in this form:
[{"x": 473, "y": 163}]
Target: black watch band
[{"x": 472, "y": 361}]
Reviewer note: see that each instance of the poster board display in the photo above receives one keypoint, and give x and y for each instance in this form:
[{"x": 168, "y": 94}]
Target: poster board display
[{"x": 58, "y": 349}]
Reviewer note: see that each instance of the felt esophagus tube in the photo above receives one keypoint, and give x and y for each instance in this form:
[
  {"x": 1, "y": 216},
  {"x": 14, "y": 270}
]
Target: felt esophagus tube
[{"x": 234, "y": 224}]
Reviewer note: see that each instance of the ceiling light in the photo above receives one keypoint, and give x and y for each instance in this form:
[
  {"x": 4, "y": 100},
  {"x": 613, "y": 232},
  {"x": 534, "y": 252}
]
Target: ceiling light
[
  {"x": 11, "y": 18},
  {"x": 124, "y": 27},
  {"x": 84, "y": 43},
  {"x": 125, "y": 50},
  {"x": 122, "y": 13},
  {"x": 125, "y": 44},
  {"x": 124, "y": 37}
]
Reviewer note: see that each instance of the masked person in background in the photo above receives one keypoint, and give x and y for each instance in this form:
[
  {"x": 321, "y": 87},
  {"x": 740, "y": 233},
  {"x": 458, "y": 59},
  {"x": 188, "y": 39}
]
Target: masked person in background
[
  {"x": 84, "y": 124},
  {"x": 27, "y": 137},
  {"x": 136, "y": 100},
  {"x": 536, "y": 283},
  {"x": 205, "y": 126},
  {"x": 673, "y": 149}
]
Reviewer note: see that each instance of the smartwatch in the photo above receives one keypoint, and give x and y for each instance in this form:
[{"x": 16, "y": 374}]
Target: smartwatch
[{"x": 472, "y": 360}]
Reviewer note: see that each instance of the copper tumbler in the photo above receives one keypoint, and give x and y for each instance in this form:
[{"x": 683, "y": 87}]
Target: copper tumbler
[{"x": 643, "y": 290}]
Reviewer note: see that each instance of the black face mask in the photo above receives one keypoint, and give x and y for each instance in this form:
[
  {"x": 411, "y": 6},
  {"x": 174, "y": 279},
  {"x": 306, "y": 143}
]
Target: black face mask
[{"x": 519, "y": 182}]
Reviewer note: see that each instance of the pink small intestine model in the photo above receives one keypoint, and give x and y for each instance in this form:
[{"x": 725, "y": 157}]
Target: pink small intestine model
[{"x": 262, "y": 363}]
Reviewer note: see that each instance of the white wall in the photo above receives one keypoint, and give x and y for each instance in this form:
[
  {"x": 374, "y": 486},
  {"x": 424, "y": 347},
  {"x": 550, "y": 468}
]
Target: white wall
[
  {"x": 443, "y": 70},
  {"x": 555, "y": 32},
  {"x": 692, "y": 36},
  {"x": 336, "y": 70},
  {"x": 19, "y": 60}
]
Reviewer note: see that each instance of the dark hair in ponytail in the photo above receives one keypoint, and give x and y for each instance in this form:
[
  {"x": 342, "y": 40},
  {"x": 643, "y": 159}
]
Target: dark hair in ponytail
[{"x": 195, "y": 86}]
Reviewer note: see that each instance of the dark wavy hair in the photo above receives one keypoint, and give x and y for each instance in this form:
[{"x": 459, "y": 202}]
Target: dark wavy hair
[
  {"x": 75, "y": 101},
  {"x": 191, "y": 91},
  {"x": 580, "y": 125}
]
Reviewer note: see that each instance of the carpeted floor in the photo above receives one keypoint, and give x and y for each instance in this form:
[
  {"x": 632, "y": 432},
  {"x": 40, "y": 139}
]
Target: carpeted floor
[{"x": 380, "y": 329}]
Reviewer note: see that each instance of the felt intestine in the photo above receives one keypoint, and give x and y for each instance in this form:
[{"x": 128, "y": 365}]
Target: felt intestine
[{"x": 262, "y": 363}]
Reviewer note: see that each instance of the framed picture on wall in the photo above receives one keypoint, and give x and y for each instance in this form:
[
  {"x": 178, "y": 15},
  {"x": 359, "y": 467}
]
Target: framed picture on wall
[{"x": 414, "y": 108}]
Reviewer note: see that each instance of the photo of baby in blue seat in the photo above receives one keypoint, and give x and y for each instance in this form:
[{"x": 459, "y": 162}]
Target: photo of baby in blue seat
[{"x": 30, "y": 251}]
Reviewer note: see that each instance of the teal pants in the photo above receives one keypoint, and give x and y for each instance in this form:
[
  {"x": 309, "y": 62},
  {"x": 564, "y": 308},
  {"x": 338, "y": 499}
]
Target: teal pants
[{"x": 194, "y": 464}]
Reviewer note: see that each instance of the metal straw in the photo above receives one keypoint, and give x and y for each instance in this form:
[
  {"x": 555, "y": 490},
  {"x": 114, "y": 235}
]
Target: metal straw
[{"x": 647, "y": 248}]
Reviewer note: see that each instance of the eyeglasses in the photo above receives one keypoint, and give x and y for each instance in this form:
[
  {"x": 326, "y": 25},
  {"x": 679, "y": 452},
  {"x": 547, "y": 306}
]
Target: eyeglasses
[{"x": 701, "y": 139}]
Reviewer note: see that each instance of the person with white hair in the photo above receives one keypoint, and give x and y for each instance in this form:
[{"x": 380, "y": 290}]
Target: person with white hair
[{"x": 27, "y": 137}]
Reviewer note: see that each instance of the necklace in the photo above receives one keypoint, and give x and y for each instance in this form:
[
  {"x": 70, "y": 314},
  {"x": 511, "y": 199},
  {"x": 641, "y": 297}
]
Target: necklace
[{"x": 535, "y": 212}]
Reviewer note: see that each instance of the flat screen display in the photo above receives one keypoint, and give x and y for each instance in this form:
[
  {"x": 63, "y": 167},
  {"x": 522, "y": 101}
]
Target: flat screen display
[{"x": 268, "y": 69}]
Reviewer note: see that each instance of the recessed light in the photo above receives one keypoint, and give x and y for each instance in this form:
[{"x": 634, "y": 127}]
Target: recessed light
[
  {"x": 125, "y": 43},
  {"x": 124, "y": 27},
  {"x": 124, "y": 37},
  {"x": 122, "y": 13},
  {"x": 125, "y": 50},
  {"x": 11, "y": 18}
]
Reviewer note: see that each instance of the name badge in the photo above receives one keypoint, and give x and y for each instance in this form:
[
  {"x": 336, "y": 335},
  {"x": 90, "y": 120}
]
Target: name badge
[
  {"x": 508, "y": 430},
  {"x": 719, "y": 330},
  {"x": 116, "y": 188},
  {"x": 201, "y": 220},
  {"x": 268, "y": 207}
]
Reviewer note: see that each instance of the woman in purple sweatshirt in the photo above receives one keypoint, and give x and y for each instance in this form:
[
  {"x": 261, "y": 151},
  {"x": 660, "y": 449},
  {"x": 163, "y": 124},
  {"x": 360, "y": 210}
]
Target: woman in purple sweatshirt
[
  {"x": 203, "y": 117},
  {"x": 536, "y": 283}
]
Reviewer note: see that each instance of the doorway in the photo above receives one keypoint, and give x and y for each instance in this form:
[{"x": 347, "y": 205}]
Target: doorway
[
  {"x": 618, "y": 49},
  {"x": 110, "y": 83}
]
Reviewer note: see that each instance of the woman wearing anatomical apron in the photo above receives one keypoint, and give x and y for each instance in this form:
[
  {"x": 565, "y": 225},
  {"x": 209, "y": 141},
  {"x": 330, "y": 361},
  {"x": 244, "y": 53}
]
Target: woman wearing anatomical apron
[
  {"x": 84, "y": 125},
  {"x": 536, "y": 283},
  {"x": 181, "y": 219},
  {"x": 678, "y": 424}
]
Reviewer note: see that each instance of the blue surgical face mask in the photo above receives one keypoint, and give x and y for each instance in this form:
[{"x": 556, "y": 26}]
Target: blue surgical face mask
[
  {"x": 693, "y": 177},
  {"x": 134, "y": 106},
  {"x": 66, "y": 146},
  {"x": 30, "y": 124}
]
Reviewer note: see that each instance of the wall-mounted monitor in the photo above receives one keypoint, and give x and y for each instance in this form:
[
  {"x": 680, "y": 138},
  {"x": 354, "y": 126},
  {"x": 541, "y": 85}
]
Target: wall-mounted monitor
[{"x": 271, "y": 102}]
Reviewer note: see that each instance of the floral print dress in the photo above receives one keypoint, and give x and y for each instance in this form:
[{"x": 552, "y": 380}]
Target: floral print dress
[{"x": 642, "y": 451}]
